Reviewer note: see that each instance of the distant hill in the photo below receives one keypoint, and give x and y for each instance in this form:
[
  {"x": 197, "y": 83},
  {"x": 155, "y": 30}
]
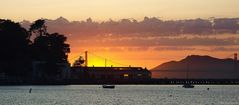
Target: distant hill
[{"x": 198, "y": 67}]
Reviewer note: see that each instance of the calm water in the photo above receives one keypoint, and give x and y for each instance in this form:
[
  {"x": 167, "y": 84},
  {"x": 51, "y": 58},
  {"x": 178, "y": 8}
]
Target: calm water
[{"x": 121, "y": 95}]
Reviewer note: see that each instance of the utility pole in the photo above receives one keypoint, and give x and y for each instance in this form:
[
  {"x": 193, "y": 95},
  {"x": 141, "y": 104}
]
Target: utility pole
[
  {"x": 235, "y": 61},
  {"x": 86, "y": 59}
]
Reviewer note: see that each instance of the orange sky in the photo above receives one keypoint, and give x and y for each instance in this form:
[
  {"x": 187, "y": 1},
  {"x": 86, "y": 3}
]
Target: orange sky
[
  {"x": 129, "y": 51},
  {"x": 145, "y": 57}
]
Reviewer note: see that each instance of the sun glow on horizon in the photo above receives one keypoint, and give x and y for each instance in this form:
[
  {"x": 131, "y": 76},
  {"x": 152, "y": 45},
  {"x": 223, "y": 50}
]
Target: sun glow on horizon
[
  {"x": 103, "y": 37},
  {"x": 148, "y": 59},
  {"x": 101, "y": 60}
]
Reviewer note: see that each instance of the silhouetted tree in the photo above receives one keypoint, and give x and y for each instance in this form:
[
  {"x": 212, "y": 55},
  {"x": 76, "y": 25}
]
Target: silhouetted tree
[
  {"x": 38, "y": 27},
  {"x": 18, "y": 51},
  {"x": 58, "y": 49},
  {"x": 49, "y": 48},
  {"x": 14, "y": 44}
]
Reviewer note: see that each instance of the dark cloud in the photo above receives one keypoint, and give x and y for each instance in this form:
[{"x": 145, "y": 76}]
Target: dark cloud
[
  {"x": 133, "y": 35},
  {"x": 152, "y": 26},
  {"x": 225, "y": 25}
]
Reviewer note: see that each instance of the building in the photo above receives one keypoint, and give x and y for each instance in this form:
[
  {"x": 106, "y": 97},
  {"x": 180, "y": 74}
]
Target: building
[
  {"x": 110, "y": 73},
  {"x": 81, "y": 71},
  {"x": 39, "y": 68}
]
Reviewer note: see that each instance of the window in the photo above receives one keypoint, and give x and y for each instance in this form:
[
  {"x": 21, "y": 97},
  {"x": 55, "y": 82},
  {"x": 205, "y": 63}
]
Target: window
[
  {"x": 126, "y": 75},
  {"x": 139, "y": 74}
]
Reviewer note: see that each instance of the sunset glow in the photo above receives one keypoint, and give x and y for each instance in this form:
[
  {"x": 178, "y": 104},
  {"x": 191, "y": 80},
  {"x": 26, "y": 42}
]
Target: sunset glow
[
  {"x": 141, "y": 33},
  {"x": 149, "y": 59}
]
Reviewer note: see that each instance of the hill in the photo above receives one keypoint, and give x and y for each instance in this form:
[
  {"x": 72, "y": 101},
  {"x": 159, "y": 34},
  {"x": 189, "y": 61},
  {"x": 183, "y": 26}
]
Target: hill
[{"x": 198, "y": 67}]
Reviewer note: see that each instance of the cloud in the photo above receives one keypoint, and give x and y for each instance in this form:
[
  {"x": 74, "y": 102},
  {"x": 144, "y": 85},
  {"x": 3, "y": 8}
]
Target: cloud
[
  {"x": 152, "y": 26},
  {"x": 225, "y": 49},
  {"x": 150, "y": 33},
  {"x": 160, "y": 48},
  {"x": 159, "y": 41}
]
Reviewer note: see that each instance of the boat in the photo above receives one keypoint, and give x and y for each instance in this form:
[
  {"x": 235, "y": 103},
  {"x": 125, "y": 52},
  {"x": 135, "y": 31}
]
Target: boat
[
  {"x": 108, "y": 86},
  {"x": 188, "y": 85}
]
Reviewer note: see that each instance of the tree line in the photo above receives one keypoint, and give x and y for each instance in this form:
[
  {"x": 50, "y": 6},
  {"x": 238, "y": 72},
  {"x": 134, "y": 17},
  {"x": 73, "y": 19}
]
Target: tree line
[{"x": 20, "y": 47}]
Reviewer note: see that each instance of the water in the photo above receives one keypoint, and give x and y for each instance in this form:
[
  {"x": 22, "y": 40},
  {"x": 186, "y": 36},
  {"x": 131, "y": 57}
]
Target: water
[{"x": 121, "y": 95}]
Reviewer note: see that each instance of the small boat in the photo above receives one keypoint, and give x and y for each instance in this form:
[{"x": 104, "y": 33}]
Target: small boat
[
  {"x": 188, "y": 86},
  {"x": 108, "y": 86}
]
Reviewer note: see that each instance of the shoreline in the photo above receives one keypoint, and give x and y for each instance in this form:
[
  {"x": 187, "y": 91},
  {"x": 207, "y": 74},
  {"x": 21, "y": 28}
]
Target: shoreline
[{"x": 128, "y": 82}]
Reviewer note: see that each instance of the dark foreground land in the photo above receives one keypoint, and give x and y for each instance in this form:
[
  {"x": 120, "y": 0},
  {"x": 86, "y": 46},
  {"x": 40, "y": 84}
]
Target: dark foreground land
[{"x": 128, "y": 82}]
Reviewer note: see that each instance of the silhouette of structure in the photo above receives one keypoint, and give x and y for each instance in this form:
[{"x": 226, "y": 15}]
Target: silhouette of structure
[
  {"x": 235, "y": 61},
  {"x": 80, "y": 71}
]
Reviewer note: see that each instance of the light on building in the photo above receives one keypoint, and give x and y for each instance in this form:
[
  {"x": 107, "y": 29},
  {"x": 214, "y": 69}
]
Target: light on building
[
  {"x": 126, "y": 75},
  {"x": 139, "y": 74}
]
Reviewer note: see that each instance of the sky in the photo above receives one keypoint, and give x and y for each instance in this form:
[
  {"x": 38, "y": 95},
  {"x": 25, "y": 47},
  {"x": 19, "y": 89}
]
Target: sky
[
  {"x": 139, "y": 47},
  {"x": 116, "y": 9}
]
